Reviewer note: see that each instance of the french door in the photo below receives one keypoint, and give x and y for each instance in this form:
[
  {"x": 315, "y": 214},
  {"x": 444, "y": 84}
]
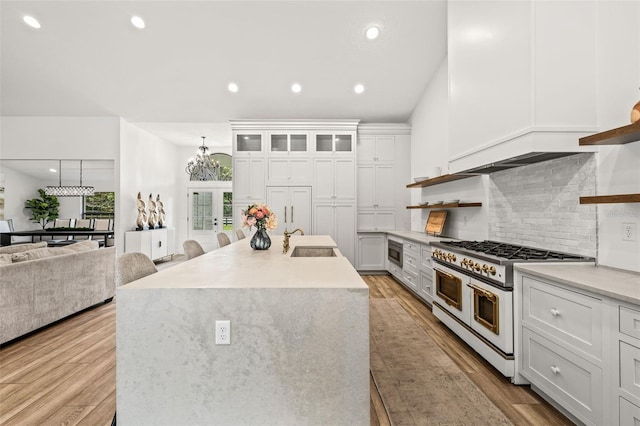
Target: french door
[{"x": 210, "y": 212}]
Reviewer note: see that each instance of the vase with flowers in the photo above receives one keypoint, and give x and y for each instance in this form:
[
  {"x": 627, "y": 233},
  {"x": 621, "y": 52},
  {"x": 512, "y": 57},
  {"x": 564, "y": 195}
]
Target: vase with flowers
[{"x": 260, "y": 216}]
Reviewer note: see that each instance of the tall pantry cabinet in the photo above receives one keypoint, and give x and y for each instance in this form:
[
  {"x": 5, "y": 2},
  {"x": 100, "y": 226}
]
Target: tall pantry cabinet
[
  {"x": 306, "y": 172},
  {"x": 383, "y": 168}
]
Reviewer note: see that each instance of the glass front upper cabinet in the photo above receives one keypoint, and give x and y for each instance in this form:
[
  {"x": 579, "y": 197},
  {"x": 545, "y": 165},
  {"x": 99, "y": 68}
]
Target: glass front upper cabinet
[
  {"x": 288, "y": 143},
  {"x": 329, "y": 143},
  {"x": 247, "y": 143}
]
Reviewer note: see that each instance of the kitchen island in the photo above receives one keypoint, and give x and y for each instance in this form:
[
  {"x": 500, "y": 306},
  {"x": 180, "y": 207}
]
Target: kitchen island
[{"x": 299, "y": 340}]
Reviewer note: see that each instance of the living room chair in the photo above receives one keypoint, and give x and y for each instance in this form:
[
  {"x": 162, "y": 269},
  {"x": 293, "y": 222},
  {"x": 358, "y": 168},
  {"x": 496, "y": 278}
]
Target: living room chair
[
  {"x": 133, "y": 266},
  {"x": 240, "y": 234},
  {"x": 192, "y": 249},
  {"x": 223, "y": 239}
]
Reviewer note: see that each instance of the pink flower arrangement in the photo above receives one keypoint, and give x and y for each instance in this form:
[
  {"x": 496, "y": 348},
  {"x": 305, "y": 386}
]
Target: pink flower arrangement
[{"x": 260, "y": 216}]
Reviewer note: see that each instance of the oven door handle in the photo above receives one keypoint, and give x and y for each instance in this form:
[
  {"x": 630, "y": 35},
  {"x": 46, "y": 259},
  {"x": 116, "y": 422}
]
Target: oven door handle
[
  {"x": 446, "y": 274},
  {"x": 482, "y": 291}
]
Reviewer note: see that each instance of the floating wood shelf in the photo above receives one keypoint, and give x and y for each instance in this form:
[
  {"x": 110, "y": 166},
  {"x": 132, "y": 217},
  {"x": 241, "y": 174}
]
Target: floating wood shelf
[
  {"x": 438, "y": 180},
  {"x": 607, "y": 199},
  {"x": 446, "y": 206},
  {"x": 619, "y": 136}
]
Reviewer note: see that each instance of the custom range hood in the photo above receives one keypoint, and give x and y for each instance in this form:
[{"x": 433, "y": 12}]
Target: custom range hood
[{"x": 520, "y": 160}]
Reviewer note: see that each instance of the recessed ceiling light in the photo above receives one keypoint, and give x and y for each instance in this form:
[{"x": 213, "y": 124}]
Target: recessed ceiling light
[
  {"x": 372, "y": 33},
  {"x": 232, "y": 87},
  {"x": 52, "y": 170},
  {"x": 296, "y": 88},
  {"x": 359, "y": 88},
  {"x": 31, "y": 21},
  {"x": 137, "y": 22}
]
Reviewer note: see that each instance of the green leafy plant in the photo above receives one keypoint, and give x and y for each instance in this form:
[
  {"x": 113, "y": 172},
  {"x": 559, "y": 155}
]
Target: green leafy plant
[{"x": 44, "y": 209}]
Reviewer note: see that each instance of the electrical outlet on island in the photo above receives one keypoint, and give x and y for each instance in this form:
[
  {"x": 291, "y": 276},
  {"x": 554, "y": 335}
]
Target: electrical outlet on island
[{"x": 223, "y": 332}]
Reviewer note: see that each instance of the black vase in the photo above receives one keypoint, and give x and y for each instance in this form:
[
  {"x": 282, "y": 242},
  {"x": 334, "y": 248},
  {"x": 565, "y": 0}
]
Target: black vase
[{"x": 260, "y": 240}]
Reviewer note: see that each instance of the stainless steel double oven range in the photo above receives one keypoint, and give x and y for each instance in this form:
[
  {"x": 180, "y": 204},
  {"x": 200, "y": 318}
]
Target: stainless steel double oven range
[{"x": 473, "y": 283}]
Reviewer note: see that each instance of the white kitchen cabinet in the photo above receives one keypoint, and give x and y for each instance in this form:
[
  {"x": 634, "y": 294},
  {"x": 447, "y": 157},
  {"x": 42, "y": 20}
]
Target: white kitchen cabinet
[
  {"x": 334, "y": 143},
  {"x": 568, "y": 379},
  {"x": 425, "y": 286},
  {"x": 376, "y": 220},
  {"x": 376, "y": 186},
  {"x": 394, "y": 270},
  {"x": 338, "y": 221},
  {"x": 292, "y": 206},
  {"x": 626, "y": 364},
  {"x": 508, "y": 62},
  {"x": 248, "y": 143},
  {"x": 376, "y": 149},
  {"x": 562, "y": 349},
  {"x": 248, "y": 179},
  {"x": 288, "y": 143},
  {"x": 410, "y": 264},
  {"x": 289, "y": 171},
  {"x": 154, "y": 243},
  {"x": 382, "y": 172},
  {"x": 425, "y": 278},
  {"x": 371, "y": 252},
  {"x": 334, "y": 179}
]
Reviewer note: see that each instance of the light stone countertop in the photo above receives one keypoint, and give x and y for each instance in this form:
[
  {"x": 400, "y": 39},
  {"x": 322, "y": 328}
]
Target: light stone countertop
[
  {"x": 615, "y": 283},
  {"x": 239, "y": 266},
  {"x": 418, "y": 237}
]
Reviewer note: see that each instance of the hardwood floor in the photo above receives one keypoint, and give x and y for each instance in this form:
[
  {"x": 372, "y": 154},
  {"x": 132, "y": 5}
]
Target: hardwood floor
[{"x": 65, "y": 374}]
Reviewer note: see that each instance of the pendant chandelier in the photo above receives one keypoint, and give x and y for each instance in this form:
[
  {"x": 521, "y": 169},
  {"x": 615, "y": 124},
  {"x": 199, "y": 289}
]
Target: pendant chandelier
[
  {"x": 68, "y": 191},
  {"x": 202, "y": 167}
]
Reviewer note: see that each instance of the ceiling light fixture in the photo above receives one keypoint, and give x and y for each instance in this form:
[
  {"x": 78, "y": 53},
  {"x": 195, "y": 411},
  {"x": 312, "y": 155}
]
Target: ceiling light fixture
[
  {"x": 296, "y": 88},
  {"x": 372, "y": 33},
  {"x": 137, "y": 22},
  {"x": 203, "y": 167},
  {"x": 232, "y": 87},
  {"x": 68, "y": 191},
  {"x": 359, "y": 88},
  {"x": 31, "y": 21}
]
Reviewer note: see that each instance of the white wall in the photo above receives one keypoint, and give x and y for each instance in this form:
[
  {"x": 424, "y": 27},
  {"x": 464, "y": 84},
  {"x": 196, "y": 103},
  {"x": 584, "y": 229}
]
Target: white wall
[
  {"x": 618, "y": 73},
  {"x": 88, "y": 138},
  {"x": 429, "y": 148},
  {"x": 618, "y": 168},
  {"x": 148, "y": 165}
]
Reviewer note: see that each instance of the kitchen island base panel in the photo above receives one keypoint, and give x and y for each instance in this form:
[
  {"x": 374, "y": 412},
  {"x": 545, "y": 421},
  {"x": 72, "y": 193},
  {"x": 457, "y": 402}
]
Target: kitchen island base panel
[{"x": 297, "y": 356}]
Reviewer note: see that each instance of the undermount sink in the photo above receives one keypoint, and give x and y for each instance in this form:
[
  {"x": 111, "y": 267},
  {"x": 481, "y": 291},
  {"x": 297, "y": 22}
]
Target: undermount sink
[{"x": 313, "y": 252}]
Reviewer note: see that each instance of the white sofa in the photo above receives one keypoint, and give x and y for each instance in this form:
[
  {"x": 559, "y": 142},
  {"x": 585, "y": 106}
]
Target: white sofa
[{"x": 42, "y": 285}]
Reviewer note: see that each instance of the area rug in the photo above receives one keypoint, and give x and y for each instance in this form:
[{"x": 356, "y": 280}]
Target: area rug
[{"x": 418, "y": 382}]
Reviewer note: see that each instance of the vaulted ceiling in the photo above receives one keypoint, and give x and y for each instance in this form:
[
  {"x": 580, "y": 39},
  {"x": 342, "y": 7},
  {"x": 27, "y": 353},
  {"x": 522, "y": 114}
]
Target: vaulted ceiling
[{"x": 88, "y": 60}]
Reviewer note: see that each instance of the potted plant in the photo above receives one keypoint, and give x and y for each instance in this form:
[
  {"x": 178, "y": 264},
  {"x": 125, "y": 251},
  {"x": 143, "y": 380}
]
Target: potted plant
[{"x": 44, "y": 209}]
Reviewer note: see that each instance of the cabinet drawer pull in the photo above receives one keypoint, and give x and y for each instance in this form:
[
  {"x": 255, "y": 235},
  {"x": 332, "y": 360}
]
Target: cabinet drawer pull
[
  {"x": 555, "y": 312},
  {"x": 555, "y": 370}
]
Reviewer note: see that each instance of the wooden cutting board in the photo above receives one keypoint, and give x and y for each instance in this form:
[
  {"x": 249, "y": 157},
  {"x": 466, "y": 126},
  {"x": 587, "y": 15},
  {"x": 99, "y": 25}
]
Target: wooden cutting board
[{"x": 435, "y": 222}]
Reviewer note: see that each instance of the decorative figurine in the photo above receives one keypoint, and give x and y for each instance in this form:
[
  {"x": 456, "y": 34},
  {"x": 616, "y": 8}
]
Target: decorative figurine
[
  {"x": 153, "y": 214},
  {"x": 142, "y": 214},
  {"x": 161, "y": 215}
]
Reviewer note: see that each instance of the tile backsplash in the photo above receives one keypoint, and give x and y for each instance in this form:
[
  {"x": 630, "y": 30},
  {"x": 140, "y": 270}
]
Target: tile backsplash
[{"x": 539, "y": 205}]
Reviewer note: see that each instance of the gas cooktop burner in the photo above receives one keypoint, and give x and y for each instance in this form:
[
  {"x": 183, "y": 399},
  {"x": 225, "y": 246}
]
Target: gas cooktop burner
[{"x": 511, "y": 251}]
